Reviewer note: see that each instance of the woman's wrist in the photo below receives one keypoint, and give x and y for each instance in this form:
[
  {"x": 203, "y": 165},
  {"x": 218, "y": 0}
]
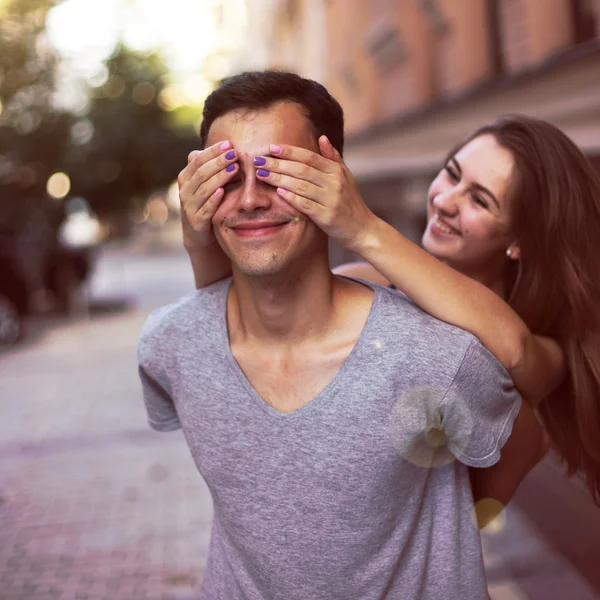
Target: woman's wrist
[
  {"x": 369, "y": 237},
  {"x": 196, "y": 245}
]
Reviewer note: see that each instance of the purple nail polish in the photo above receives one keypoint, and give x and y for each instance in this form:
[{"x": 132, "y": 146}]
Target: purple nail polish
[
  {"x": 230, "y": 167},
  {"x": 263, "y": 173},
  {"x": 259, "y": 161},
  {"x": 230, "y": 155}
]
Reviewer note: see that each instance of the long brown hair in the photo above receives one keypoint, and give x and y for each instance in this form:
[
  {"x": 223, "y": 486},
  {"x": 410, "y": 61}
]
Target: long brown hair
[{"x": 554, "y": 201}]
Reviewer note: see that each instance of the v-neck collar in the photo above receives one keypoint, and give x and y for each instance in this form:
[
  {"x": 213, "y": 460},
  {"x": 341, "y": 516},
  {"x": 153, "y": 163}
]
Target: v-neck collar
[{"x": 326, "y": 391}]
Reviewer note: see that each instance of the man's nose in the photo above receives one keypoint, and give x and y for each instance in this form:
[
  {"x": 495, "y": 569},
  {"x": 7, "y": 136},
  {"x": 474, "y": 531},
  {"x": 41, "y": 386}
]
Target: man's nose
[{"x": 255, "y": 193}]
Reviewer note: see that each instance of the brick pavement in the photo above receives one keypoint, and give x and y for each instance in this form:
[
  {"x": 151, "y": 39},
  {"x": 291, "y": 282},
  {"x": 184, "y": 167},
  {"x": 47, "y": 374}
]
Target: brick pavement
[
  {"x": 118, "y": 517},
  {"x": 95, "y": 506}
]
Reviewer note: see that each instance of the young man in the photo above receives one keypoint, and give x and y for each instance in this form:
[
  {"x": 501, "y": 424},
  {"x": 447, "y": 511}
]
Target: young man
[{"x": 332, "y": 421}]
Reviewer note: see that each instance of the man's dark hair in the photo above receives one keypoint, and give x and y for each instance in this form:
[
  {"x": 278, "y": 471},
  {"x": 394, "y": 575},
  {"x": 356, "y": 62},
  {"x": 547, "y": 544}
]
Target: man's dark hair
[{"x": 256, "y": 90}]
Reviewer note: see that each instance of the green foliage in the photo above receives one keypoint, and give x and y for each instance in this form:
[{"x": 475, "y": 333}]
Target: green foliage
[
  {"x": 33, "y": 135},
  {"x": 135, "y": 148},
  {"x": 123, "y": 145}
]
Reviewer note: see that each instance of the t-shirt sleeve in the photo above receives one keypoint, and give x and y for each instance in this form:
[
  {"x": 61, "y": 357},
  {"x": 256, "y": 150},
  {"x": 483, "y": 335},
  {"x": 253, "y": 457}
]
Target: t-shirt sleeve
[
  {"x": 479, "y": 408},
  {"x": 152, "y": 358},
  {"x": 160, "y": 408}
]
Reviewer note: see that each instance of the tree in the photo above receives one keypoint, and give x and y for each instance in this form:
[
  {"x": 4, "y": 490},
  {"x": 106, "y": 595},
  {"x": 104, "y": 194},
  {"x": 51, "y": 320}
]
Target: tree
[
  {"x": 134, "y": 148},
  {"x": 34, "y": 136},
  {"x": 124, "y": 146}
]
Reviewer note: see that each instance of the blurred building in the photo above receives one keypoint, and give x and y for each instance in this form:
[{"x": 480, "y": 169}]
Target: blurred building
[{"x": 416, "y": 76}]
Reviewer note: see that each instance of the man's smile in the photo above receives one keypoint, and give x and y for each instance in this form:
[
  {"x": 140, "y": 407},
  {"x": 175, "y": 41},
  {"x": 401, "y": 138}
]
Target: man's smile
[{"x": 258, "y": 228}]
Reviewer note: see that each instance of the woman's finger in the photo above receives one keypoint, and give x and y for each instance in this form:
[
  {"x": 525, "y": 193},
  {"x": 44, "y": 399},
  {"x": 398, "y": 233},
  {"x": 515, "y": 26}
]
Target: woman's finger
[
  {"x": 209, "y": 168},
  {"x": 192, "y": 203},
  {"x": 301, "y": 187},
  {"x": 302, "y": 155},
  {"x": 198, "y": 158},
  {"x": 294, "y": 169},
  {"x": 328, "y": 150},
  {"x": 302, "y": 204},
  {"x": 208, "y": 209}
]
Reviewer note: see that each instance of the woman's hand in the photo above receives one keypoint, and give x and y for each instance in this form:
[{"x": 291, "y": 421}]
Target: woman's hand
[
  {"x": 201, "y": 191},
  {"x": 321, "y": 187}
]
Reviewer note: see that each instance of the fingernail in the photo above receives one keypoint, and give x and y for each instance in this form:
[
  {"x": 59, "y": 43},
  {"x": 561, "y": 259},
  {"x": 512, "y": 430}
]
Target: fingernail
[
  {"x": 274, "y": 149},
  {"x": 225, "y": 145},
  {"x": 230, "y": 155},
  {"x": 194, "y": 153},
  {"x": 263, "y": 173},
  {"x": 230, "y": 167},
  {"x": 259, "y": 161}
]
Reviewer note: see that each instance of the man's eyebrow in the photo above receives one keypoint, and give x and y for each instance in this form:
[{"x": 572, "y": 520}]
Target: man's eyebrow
[{"x": 475, "y": 185}]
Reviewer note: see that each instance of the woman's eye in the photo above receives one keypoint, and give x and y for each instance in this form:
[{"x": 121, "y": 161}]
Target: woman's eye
[
  {"x": 479, "y": 201},
  {"x": 450, "y": 170}
]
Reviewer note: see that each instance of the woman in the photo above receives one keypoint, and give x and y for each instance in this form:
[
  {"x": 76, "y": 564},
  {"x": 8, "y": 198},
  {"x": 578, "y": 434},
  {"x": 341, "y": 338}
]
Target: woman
[{"x": 510, "y": 248}]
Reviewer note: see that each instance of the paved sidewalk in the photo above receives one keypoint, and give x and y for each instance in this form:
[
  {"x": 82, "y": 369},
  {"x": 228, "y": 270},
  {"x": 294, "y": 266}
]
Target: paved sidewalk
[
  {"x": 520, "y": 565},
  {"x": 96, "y": 506},
  {"x": 104, "y": 518}
]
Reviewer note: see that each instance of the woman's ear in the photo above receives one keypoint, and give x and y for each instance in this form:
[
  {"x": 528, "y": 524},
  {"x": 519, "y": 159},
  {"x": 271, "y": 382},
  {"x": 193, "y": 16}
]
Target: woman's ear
[{"x": 514, "y": 251}]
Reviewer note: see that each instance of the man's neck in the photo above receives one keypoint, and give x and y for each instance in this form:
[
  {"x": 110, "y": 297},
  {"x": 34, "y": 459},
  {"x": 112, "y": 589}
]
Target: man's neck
[{"x": 286, "y": 309}]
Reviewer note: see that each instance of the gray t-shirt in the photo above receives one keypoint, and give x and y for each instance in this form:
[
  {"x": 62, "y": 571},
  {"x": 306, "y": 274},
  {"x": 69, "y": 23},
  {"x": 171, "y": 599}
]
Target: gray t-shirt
[{"x": 358, "y": 495}]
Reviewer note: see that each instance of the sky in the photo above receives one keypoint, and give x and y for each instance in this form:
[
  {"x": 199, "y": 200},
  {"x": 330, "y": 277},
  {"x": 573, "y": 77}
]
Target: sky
[{"x": 86, "y": 31}]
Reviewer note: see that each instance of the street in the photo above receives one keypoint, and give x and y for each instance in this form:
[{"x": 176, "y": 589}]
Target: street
[{"x": 96, "y": 506}]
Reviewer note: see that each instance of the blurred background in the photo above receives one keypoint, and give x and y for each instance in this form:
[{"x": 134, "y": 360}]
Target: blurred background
[{"x": 100, "y": 103}]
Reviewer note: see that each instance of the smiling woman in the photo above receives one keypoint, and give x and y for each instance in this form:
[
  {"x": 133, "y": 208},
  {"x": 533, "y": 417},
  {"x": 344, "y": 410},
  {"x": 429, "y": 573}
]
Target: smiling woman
[
  {"x": 515, "y": 211},
  {"x": 523, "y": 206},
  {"x": 469, "y": 213}
]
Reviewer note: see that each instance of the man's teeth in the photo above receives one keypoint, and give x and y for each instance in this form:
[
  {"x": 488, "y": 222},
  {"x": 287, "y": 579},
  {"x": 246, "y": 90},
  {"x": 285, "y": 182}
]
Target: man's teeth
[{"x": 443, "y": 227}]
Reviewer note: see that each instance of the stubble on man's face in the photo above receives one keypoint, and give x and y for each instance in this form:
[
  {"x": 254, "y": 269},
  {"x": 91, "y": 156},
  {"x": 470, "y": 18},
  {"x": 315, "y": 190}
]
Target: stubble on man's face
[{"x": 296, "y": 239}]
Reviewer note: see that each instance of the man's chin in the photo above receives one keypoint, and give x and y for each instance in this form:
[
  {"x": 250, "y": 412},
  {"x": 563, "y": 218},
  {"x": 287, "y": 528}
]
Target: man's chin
[{"x": 259, "y": 270}]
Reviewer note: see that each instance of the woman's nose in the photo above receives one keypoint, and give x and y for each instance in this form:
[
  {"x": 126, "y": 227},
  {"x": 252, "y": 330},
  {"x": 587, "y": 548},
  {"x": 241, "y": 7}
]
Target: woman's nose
[{"x": 447, "y": 202}]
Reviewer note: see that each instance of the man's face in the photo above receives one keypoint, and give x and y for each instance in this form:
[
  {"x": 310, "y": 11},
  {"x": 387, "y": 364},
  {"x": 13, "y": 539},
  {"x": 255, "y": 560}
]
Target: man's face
[{"x": 260, "y": 232}]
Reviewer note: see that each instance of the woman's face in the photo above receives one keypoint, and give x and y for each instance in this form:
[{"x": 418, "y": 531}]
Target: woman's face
[{"x": 467, "y": 211}]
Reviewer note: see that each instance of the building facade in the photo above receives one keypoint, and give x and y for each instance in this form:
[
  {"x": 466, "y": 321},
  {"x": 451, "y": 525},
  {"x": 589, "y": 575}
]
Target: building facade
[{"x": 416, "y": 76}]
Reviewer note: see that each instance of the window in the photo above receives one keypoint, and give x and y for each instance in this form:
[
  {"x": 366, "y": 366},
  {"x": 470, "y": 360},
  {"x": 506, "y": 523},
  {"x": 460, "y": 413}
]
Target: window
[
  {"x": 585, "y": 20},
  {"x": 385, "y": 45},
  {"x": 495, "y": 33}
]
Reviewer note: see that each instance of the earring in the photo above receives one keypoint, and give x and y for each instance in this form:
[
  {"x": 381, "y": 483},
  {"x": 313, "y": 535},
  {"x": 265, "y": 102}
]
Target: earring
[{"x": 509, "y": 252}]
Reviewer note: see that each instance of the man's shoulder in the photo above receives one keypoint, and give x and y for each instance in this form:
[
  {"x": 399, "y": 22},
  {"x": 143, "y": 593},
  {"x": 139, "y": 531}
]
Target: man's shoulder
[
  {"x": 408, "y": 331},
  {"x": 191, "y": 311},
  {"x": 400, "y": 316}
]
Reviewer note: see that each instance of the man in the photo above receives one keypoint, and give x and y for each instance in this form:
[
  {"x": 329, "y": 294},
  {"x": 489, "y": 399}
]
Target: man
[{"x": 332, "y": 421}]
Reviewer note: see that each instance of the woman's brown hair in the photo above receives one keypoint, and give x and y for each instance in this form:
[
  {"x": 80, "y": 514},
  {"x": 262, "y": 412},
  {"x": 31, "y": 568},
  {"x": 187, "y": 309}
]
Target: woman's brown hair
[{"x": 554, "y": 201}]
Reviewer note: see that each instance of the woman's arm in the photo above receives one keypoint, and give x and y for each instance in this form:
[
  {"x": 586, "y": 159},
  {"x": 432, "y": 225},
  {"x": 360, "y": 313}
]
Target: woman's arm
[
  {"x": 362, "y": 270},
  {"x": 210, "y": 264},
  {"x": 201, "y": 189},
  {"x": 495, "y": 486},
  {"x": 323, "y": 188},
  {"x": 536, "y": 364}
]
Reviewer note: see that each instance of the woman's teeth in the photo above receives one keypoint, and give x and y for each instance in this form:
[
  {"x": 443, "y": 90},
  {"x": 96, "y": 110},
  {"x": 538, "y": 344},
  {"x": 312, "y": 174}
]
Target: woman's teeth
[{"x": 442, "y": 227}]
